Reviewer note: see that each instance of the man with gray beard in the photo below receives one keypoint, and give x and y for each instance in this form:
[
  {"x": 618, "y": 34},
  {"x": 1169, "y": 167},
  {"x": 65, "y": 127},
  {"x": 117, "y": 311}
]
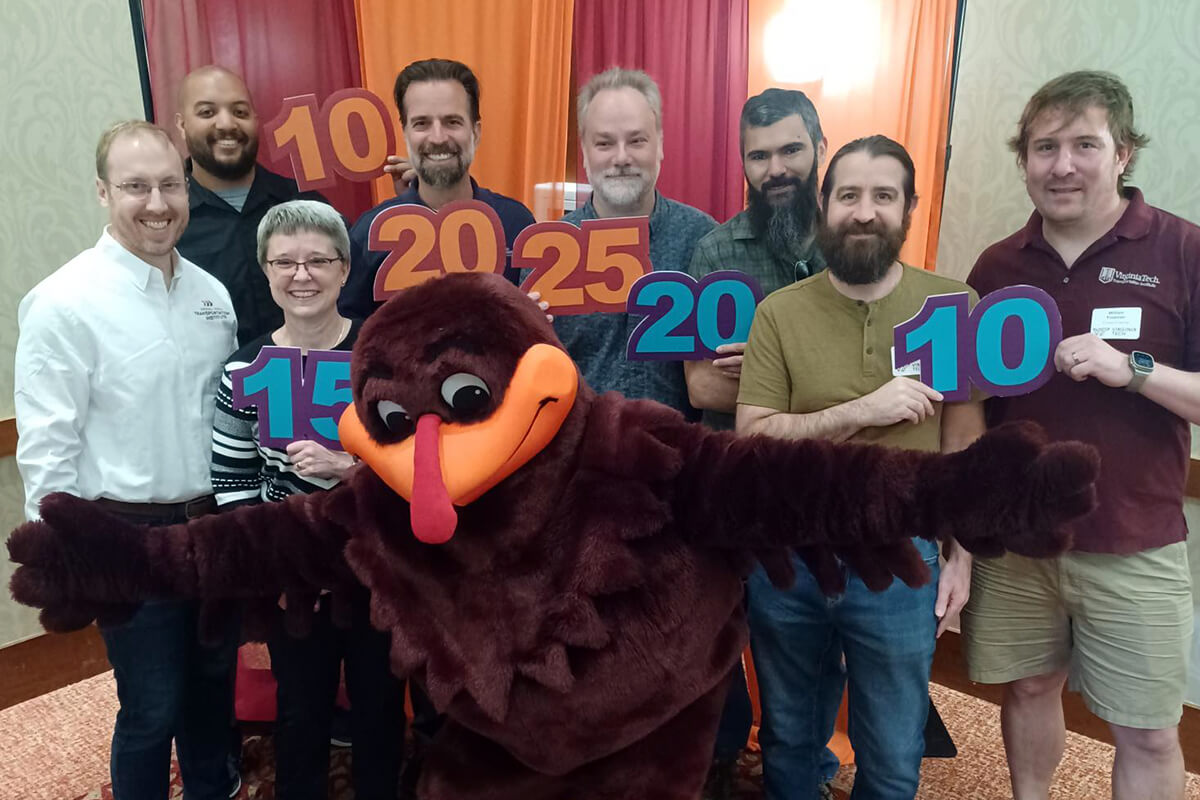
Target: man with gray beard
[{"x": 620, "y": 133}]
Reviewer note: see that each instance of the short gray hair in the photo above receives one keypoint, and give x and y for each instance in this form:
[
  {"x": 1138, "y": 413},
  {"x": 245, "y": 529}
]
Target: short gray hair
[
  {"x": 620, "y": 78},
  {"x": 296, "y": 216}
]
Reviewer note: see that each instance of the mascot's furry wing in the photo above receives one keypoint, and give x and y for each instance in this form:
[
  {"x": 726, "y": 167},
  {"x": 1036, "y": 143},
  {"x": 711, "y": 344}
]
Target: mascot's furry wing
[{"x": 560, "y": 570}]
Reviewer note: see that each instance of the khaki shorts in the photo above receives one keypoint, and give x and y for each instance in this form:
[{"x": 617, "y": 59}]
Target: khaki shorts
[{"x": 1121, "y": 624}]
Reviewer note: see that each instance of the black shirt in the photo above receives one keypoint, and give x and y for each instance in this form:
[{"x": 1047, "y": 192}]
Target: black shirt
[{"x": 223, "y": 241}]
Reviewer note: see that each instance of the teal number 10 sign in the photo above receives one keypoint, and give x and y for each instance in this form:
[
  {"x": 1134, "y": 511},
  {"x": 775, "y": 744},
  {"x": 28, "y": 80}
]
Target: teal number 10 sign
[{"x": 1005, "y": 345}]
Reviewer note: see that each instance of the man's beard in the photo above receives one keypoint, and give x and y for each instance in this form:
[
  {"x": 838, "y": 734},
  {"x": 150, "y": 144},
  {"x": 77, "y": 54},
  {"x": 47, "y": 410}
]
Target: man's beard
[
  {"x": 785, "y": 227},
  {"x": 201, "y": 149},
  {"x": 443, "y": 174},
  {"x": 861, "y": 261},
  {"x": 620, "y": 187}
]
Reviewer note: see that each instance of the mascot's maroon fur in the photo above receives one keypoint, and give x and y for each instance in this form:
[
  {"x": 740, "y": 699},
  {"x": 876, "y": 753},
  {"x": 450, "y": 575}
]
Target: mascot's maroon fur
[{"x": 564, "y": 577}]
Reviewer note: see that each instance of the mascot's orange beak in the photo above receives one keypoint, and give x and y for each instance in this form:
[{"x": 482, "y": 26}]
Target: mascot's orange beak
[{"x": 443, "y": 465}]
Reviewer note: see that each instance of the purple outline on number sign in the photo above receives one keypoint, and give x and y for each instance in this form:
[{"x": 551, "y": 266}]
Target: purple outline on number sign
[
  {"x": 306, "y": 403},
  {"x": 1012, "y": 340},
  {"x": 300, "y": 383},
  {"x": 242, "y": 400},
  {"x": 965, "y": 341},
  {"x": 688, "y": 326}
]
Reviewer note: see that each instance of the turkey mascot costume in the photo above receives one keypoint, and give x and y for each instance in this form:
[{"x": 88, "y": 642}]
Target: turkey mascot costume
[{"x": 561, "y": 571}]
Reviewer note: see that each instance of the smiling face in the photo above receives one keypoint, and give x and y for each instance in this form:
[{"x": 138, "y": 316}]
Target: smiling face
[
  {"x": 622, "y": 150},
  {"x": 218, "y": 123},
  {"x": 866, "y": 217},
  {"x": 779, "y": 159},
  {"x": 310, "y": 291},
  {"x": 1072, "y": 166},
  {"x": 148, "y": 226},
  {"x": 457, "y": 384},
  {"x": 438, "y": 131}
]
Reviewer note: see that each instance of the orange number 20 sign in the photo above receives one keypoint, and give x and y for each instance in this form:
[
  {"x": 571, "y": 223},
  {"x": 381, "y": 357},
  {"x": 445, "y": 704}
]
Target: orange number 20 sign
[
  {"x": 576, "y": 270},
  {"x": 351, "y": 131},
  {"x": 464, "y": 236}
]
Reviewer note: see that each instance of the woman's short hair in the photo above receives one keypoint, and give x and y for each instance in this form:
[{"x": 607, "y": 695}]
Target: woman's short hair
[{"x": 297, "y": 216}]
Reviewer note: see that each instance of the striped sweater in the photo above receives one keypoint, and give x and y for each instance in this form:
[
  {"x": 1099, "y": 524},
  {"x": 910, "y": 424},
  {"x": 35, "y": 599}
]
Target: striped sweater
[{"x": 243, "y": 471}]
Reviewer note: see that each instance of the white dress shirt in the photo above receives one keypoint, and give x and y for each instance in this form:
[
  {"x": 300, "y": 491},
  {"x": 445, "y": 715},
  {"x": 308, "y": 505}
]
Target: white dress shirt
[{"x": 116, "y": 376}]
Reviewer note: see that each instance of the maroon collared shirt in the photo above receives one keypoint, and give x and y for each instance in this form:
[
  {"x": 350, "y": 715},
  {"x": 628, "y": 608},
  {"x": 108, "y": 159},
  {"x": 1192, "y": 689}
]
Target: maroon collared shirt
[{"x": 1150, "y": 260}]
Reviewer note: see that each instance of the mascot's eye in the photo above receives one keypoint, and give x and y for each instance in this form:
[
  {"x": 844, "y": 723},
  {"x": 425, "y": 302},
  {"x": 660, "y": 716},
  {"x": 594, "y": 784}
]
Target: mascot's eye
[
  {"x": 465, "y": 393},
  {"x": 395, "y": 417}
]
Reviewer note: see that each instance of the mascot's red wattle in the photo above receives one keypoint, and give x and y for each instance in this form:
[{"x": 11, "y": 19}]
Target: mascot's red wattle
[{"x": 560, "y": 570}]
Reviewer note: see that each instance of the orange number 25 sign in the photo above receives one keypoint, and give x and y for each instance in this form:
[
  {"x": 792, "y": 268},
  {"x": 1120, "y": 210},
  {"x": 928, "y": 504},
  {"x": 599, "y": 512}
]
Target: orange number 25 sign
[
  {"x": 351, "y": 131},
  {"x": 584, "y": 270},
  {"x": 576, "y": 270}
]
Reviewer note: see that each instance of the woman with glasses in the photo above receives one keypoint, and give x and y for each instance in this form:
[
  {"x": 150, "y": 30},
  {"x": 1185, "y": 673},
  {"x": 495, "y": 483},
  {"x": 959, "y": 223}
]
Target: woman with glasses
[{"x": 303, "y": 248}]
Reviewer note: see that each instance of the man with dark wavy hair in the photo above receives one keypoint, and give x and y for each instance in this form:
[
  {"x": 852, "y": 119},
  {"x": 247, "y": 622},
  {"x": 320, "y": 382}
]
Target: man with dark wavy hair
[
  {"x": 1115, "y": 613},
  {"x": 438, "y": 103},
  {"x": 818, "y": 366}
]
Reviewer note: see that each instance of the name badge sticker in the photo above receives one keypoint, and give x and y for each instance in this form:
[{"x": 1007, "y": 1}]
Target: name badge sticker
[
  {"x": 912, "y": 369},
  {"x": 1117, "y": 323}
]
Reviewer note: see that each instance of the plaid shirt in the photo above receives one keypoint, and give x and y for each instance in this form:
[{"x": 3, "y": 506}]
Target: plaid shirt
[{"x": 733, "y": 245}]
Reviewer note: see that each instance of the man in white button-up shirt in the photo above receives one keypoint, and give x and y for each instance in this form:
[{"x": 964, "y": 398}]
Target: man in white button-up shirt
[{"x": 117, "y": 363}]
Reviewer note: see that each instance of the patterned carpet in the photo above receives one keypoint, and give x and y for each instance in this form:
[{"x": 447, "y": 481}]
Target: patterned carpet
[{"x": 56, "y": 748}]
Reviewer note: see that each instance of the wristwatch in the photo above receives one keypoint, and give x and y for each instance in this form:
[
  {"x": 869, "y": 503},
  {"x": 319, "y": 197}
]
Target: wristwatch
[{"x": 1142, "y": 365}]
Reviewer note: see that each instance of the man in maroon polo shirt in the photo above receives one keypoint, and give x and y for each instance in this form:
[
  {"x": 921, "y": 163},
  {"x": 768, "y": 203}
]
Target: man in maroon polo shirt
[{"x": 1115, "y": 613}]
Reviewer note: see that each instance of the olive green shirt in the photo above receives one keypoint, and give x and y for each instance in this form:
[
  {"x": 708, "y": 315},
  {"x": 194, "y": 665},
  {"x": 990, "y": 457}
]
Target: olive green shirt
[{"x": 812, "y": 348}]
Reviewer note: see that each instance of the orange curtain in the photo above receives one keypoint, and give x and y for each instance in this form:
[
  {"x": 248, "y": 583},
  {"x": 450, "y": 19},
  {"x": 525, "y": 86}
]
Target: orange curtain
[
  {"x": 870, "y": 66},
  {"x": 521, "y": 52}
]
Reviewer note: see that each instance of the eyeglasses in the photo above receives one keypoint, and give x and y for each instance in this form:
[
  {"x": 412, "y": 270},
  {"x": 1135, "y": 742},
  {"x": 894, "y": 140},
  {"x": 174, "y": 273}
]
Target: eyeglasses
[
  {"x": 315, "y": 264},
  {"x": 140, "y": 190}
]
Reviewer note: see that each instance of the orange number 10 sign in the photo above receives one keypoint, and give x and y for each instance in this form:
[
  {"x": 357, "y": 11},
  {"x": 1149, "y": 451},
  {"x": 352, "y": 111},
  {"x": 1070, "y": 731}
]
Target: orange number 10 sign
[{"x": 351, "y": 131}]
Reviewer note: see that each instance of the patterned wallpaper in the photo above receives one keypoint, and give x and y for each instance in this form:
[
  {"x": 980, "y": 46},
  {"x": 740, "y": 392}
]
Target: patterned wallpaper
[
  {"x": 1009, "y": 49},
  {"x": 68, "y": 70}
]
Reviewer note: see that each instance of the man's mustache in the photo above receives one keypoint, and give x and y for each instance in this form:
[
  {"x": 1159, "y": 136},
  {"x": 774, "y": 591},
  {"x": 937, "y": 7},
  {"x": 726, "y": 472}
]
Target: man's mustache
[{"x": 781, "y": 182}]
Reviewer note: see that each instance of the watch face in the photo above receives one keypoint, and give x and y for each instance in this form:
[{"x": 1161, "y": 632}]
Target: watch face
[{"x": 1142, "y": 360}]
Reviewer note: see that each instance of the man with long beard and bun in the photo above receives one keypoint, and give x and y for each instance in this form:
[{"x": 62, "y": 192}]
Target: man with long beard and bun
[
  {"x": 772, "y": 240},
  {"x": 438, "y": 102},
  {"x": 229, "y": 193},
  {"x": 818, "y": 366}
]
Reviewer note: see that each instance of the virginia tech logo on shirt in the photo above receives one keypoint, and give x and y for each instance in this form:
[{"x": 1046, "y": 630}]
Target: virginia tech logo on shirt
[
  {"x": 209, "y": 310},
  {"x": 1113, "y": 275}
]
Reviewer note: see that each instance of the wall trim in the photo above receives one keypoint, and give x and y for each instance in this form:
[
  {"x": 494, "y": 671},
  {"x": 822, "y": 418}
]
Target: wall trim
[{"x": 39, "y": 665}]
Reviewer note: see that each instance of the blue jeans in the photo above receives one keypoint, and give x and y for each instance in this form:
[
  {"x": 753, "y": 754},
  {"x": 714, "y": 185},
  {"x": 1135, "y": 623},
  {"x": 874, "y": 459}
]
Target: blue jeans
[
  {"x": 170, "y": 685},
  {"x": 737, "y": 717},
  {"x": 799, "y": 638}
]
